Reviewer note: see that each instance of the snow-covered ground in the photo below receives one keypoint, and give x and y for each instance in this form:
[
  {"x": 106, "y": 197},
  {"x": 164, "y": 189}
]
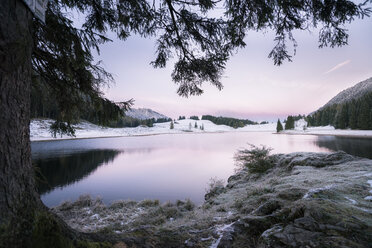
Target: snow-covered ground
[
  {"x": 39, "y": 129},
  {"x": 301, "y": 128}
]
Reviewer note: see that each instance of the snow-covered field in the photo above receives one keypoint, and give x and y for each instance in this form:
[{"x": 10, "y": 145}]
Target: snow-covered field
[{"x": 39, "y": 129}]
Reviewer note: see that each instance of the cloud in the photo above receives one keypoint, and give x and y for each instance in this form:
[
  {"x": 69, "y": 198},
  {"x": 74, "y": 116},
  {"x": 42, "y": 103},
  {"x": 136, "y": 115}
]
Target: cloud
[{"x": 338, "y": 66}]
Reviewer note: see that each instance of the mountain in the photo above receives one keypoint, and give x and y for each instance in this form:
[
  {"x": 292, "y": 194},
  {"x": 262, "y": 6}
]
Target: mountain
[
  {"x": 144, "y": 114},
  {"x": 351, "y": 108},
  {"x": 352, "y": 93}
]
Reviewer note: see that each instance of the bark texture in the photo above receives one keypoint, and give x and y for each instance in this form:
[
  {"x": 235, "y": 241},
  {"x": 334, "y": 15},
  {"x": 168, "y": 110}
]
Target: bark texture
[
  {"x": 18, "y": 197},
  {"x": 24, "y": 219}
]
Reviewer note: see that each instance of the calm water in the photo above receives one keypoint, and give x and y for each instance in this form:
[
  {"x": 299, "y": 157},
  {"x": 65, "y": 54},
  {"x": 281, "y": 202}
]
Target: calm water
[{"x": 164, "y": 167}]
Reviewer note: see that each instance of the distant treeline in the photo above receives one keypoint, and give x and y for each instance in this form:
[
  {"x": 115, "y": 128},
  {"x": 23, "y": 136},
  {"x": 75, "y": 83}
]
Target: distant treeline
[
  {"x": 95, "y": 110},
  {"x": 228, "y": 121},
  {"x": 193, "y": 117},
  {"x": 354, "y": 114}
]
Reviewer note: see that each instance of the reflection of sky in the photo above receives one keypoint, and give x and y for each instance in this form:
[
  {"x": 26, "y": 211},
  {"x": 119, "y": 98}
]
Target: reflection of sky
[
  {"x": 254, "y": 87},
  {"x": 169, "y": 167}
]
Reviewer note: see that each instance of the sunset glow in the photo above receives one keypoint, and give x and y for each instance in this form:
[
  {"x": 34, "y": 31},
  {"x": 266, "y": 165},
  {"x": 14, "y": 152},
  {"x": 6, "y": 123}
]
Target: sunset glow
[{"x": 253, "y": 86}]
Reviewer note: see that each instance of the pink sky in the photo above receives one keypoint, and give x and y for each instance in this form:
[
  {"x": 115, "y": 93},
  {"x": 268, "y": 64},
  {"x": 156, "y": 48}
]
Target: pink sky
[{"x": 253, "y": 87}]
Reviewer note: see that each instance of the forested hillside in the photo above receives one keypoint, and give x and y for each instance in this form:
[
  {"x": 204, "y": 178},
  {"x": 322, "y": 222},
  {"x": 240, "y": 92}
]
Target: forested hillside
[
  {"x": 92, "y": 108},
  {"x": 96, "y": 110},
  {"x": 352, "y": 108}
]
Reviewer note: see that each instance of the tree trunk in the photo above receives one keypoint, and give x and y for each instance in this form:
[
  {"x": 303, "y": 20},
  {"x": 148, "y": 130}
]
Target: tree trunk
[
  {"x": 24, "y": 219},
  {"x": 18, "y": 197}
]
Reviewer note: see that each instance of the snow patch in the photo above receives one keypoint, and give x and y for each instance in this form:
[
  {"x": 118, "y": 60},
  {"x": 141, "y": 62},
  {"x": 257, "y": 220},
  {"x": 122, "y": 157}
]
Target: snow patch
[
  {"x": 276, "y": 228},
  {"x": 369, "y": 198},
  {"x": 316, "y": 190},
  {"x": 351, "y": 200},
  {"x": 220, "y": 231}
]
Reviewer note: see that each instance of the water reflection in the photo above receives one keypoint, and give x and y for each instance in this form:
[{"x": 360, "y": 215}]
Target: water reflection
[
  {"x": 360, "y": 147},
  {"x": 164, "y": 167},
  {"x": 64, "y": 170}
]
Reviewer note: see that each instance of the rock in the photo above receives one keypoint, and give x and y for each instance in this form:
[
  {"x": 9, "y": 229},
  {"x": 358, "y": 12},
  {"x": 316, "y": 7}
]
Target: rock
[
  {"x": 292, "y": 194},
  {"x": 314, "y": 159},
  {"x": 227, "y": 238},
  {"x": 214, "y": 192},
  {"x": 267, "y": 208}
]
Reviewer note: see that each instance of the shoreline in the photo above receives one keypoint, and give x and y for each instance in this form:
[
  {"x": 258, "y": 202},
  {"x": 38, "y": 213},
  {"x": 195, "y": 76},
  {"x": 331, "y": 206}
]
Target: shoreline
[
  {"x": 344, "y": 135},
  {"x": 39, "y": 130},
  {"x": 126, "y": 136},
  {"x": 359, "y": 136}
]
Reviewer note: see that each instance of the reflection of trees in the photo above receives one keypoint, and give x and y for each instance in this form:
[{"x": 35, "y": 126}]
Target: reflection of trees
[
  {"x": 67, "y": 169},
  {"x": 354, "y": 146}
]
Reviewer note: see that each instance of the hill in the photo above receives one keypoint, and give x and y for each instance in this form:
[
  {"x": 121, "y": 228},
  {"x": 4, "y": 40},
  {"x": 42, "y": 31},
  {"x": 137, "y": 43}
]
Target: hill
[
  {"x": 352, "y": 93},
  {"x": 351, "y": 108},
  {"x": 144, "y": 114}
]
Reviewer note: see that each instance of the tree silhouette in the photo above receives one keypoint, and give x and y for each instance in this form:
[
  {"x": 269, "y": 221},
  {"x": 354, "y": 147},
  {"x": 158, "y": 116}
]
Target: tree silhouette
[{"x": 279, "y": 126}]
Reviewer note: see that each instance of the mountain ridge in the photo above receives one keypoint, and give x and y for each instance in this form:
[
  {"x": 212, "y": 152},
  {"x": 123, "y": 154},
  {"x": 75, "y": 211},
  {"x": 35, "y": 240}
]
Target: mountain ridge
[
  {"x": 144, "y": 114},
  {"x": 355, "y": 92},
  {"x": 351, "y": 108}
]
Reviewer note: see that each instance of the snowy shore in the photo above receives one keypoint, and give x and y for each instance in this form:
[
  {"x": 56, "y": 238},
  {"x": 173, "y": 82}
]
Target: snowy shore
[
  {"x": 302, "y": 129},
  {"x": 39, "y": 130}
]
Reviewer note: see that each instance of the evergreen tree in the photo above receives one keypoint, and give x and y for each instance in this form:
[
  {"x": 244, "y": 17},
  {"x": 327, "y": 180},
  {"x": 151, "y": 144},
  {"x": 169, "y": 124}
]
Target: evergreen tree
[
  {"x": 289, "y": 124},
  {"x": 352, "y": 115},
  {"x": 363, "y": 118},
  {"x": 59, "y": 55},
  {"x": 171, "y": 125},
  {"x": 196, "y": 125},
  {"x": 279, "y": 126},
  {"x": 341, "y": 117},
  {"x": 324, "y": 118}
]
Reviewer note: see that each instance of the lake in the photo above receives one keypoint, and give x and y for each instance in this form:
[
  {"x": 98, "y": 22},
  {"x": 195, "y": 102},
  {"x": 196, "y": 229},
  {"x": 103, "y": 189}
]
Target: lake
[{"x": 164, "y": 167}]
